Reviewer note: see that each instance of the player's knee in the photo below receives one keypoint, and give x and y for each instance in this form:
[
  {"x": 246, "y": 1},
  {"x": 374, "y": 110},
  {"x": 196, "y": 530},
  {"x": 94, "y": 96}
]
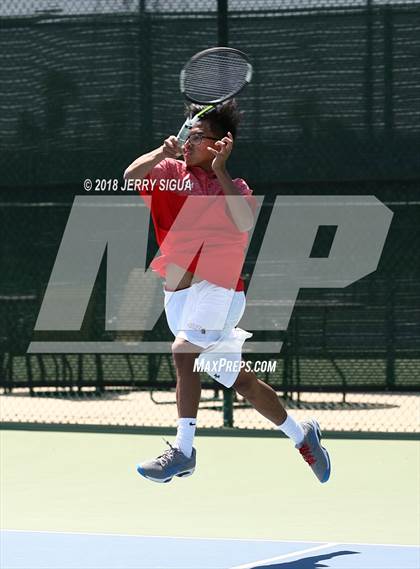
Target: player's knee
[
  {"x": 181, "y": 346},
  {"x": 184, "y": 353},
  {"x": 178, "y": 346},
  {"x": 246, "y": 385}
]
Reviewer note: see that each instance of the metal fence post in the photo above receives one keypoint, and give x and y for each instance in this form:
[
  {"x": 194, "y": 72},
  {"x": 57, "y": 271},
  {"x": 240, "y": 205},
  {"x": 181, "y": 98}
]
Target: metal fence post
[
  {"x": 145, "y": 78},
  {"x": 228, "y": 407},
  {"x": 369, "y": 68},
  {"x": 390, "y": 335},
  {"x": 388, "y": 70},
  {"x": 222, "y": 23}
]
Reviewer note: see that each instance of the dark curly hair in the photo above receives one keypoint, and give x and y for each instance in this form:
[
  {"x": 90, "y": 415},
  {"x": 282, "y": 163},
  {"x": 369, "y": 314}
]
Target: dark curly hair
[{"x": 223, "y": 119}]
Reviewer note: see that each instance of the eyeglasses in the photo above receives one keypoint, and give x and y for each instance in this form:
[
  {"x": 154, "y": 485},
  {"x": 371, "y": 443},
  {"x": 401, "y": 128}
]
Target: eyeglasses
[{"x": 197, "y": 138}]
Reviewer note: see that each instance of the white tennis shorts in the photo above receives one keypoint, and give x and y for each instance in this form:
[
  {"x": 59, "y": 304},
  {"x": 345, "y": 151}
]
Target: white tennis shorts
[{"x": 206, "y": 315}]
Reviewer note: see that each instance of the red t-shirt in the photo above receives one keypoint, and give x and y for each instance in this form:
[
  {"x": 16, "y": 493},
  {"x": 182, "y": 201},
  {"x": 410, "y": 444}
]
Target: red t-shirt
[{"x": 202, "y": 223}]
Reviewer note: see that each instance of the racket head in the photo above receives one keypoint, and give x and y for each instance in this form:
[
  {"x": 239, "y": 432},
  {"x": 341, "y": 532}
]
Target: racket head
[{"x": 215, "y": 75}]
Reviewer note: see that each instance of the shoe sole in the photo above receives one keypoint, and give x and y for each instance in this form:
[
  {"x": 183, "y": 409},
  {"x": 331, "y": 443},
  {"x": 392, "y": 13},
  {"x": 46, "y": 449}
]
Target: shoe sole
[
  {"x": 319, "y": 437},
  {"x": 166, "y": 480}
]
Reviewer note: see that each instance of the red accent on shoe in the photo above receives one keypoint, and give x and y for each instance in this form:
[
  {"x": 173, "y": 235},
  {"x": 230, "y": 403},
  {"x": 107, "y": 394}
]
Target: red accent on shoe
[{"x": 305, "y": 451}]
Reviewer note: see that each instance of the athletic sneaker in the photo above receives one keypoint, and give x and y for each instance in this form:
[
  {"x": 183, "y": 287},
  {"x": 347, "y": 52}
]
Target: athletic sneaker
[
  {"x": 312, "y": 451},
  {"x": 169, "y": 464}
]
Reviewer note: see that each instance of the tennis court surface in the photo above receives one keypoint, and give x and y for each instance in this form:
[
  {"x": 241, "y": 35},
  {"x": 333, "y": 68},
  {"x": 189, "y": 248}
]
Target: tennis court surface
[
  {"x": 46, "y": 550},
  {"x": 74, "y": 500}
]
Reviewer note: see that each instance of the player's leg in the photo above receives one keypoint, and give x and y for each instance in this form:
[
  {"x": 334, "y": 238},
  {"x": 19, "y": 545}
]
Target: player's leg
[
  {"x": 180, "y": 458},
  {"x": 188, "y": 391},
  {"x": 306, "y": 435},
  {"x": 188, "y": 383},
  {"x": 262, "y": 397}
]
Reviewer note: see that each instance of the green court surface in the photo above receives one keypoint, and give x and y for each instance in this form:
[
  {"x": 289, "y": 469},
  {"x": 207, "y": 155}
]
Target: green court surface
[{"x": 256, "y": 488}]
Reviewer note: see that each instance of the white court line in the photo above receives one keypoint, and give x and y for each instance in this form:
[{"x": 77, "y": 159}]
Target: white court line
[
  {"x": 191, "y": 538},
  {"x": 281, "y": 557}
]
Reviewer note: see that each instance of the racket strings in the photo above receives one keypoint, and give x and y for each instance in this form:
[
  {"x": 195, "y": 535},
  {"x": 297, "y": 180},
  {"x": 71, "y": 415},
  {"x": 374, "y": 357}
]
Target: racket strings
[{"x": 215, "y": 77}]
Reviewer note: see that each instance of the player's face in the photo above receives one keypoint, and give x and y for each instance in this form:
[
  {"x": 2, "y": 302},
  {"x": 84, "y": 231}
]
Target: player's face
[{"x": 195, "y": 148}]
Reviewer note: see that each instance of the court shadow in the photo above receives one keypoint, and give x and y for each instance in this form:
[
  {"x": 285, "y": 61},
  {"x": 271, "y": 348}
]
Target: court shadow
[{"x": 313, "y": 562}]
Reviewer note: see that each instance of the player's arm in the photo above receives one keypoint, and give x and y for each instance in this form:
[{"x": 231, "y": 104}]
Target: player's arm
[
  {"x": 240, "y": 212},
  {"x": 143, "y": 164}
]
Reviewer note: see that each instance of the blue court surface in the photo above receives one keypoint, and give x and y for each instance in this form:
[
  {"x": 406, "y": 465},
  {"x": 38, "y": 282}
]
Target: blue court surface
[{"x": 49, "y": 550}]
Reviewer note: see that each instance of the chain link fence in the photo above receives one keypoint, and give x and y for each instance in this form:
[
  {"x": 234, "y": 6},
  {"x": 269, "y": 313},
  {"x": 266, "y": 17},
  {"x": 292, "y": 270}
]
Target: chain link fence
[
  {"x": 89, "y": 85},
  {"x": 352, "y": 353},
  {"x": 333, "y": 109}
]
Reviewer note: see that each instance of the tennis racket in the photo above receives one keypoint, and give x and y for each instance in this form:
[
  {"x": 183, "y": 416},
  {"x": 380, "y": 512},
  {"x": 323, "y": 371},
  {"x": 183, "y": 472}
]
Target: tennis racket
[{"x": 211, "y": 77}]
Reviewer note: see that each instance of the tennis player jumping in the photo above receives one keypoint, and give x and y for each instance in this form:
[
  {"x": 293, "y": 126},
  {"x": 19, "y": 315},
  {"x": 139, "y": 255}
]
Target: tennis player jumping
[{"x": 204, "y": 294}]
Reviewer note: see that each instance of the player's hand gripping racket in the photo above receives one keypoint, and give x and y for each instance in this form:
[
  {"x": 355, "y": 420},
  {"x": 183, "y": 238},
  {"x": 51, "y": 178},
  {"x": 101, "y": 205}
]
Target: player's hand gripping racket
[{"x": 211, "y": 77}]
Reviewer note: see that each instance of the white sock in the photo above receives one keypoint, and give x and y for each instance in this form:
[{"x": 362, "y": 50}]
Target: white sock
[
  {"x": 293, "y": 430},
  {"x": 185, "y": 435}
]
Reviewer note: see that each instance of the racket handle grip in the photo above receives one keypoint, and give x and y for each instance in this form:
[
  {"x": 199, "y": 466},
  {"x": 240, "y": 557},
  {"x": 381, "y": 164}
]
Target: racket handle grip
[{"x": 184, "y": 133}]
